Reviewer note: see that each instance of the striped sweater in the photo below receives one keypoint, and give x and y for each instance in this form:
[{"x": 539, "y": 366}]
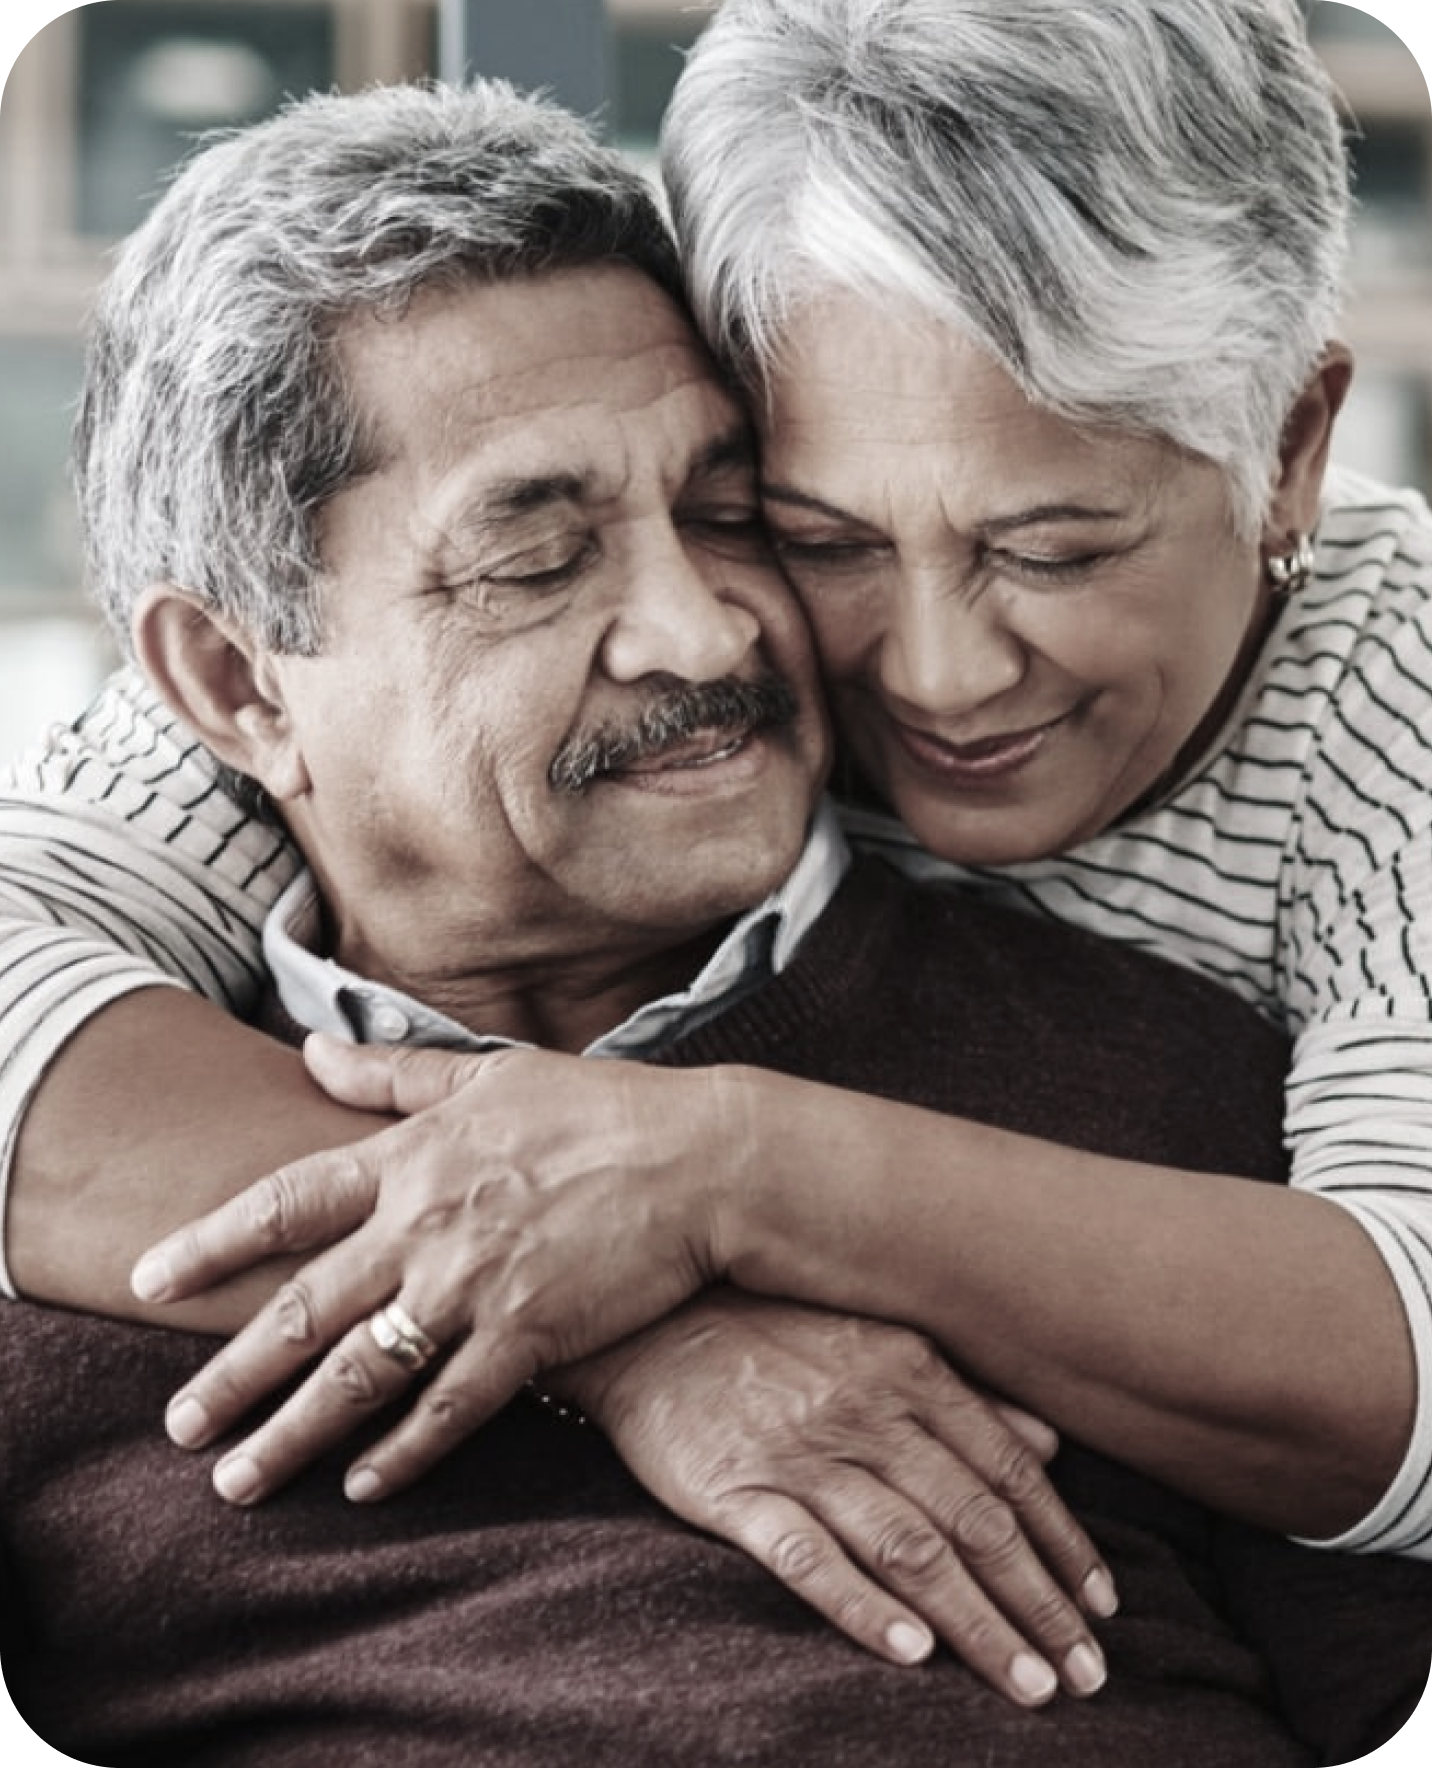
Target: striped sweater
[{"x": 1293, "y": 863}]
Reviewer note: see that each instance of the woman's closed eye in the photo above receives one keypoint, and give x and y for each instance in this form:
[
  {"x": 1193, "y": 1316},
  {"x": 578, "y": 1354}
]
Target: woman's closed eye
[
  {"x": 1045, "y": 567},
  {"x": 802, "y": 553}
]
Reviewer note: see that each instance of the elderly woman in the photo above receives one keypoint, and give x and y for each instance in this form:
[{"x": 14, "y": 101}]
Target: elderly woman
[{"x": 1036, "y": 305}]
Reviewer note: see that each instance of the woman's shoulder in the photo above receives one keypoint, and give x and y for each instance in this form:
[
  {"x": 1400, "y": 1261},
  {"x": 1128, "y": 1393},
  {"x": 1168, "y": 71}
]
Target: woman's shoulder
[
  {"x": 1374, "y": 542},
  {"x": 126, "y": 774},
  {"x": 1356, "y": 641}
]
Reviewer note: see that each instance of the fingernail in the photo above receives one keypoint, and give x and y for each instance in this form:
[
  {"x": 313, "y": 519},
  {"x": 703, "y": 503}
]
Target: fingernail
[
  {"x": 187, "y": 1422},
  {"x": 1033, "y": 1680},
  {"x": 237, "y": 1479},
  {"x": 1099, "y": 1595},
  {"x": 151, "y": 1277},
  {"x": 362, "y": 1484},
  {"x": 1084, "y": 1670},
  {"x": 908, "y": 1643}
]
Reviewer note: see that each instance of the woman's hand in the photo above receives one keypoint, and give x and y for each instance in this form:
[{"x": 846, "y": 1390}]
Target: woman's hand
[
  {"x": 498, "y": 1241},
  {"x": 847, "y": 1458}
]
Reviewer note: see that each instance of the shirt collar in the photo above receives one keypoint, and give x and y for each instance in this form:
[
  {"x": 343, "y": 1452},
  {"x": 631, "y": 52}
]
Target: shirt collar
[{"x": 321, "y": 995}]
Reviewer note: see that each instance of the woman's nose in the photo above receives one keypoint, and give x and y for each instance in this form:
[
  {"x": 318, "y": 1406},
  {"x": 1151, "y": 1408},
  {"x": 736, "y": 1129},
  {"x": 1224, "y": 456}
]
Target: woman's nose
[{"x": 943, "y": 655}]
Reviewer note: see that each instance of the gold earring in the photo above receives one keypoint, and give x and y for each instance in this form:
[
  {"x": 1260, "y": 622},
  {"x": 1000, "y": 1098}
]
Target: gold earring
[{"x": 1289, "y": 571}]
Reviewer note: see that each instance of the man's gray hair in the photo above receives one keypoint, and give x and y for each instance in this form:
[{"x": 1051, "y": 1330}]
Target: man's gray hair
[
  {"x": 1138, "y": 208},
  {"x": 214, "y": 421}
]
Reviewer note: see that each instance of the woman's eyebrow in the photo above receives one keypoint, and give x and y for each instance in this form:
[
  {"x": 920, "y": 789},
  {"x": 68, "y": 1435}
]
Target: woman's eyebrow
[
  {"x": 777, "y": 493},
  {"x": 1042, "y": 514},
  {"x": 1034, "y": 516}
]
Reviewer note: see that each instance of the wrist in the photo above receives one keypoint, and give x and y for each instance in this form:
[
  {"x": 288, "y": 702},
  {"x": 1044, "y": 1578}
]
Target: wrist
[{"x": 733, "y": 1163}]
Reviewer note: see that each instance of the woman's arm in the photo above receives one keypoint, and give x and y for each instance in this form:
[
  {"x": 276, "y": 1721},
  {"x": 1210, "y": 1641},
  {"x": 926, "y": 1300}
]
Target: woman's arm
[
  {"x": 1241, "y": 1341},
  {"x": 159, "y": 1104},
  {"x": 124, "y": 866}
]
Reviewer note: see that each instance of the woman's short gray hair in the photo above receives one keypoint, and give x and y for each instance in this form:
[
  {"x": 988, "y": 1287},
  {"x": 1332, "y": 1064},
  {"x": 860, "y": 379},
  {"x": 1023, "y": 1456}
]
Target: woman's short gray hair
[
  {"x": 1138, "y": 208},
  {"x": 214, "y": 421}
]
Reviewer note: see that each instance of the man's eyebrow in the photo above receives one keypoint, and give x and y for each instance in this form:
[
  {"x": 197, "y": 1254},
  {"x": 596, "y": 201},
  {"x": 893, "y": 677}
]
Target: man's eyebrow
[
  {"x": 517, "y": 496},
  {"x": 736, "y": 448},
  {"x": 501, "y": 502}
]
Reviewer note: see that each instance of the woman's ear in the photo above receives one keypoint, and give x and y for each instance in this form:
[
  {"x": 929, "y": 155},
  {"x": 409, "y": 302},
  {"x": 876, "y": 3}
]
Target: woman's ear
[
  {"x": 1303, "y": 453},
  {"x": 223, "y": 685}
]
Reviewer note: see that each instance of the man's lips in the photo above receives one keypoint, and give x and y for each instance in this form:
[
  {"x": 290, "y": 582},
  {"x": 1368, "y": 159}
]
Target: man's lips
[
  {"x": 694, "y": 725},
  {"x": 705, "y": 749}
]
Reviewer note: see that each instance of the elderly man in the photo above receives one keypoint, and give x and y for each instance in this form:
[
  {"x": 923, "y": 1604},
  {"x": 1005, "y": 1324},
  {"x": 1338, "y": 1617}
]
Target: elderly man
[{"x": 453, "y": 559}]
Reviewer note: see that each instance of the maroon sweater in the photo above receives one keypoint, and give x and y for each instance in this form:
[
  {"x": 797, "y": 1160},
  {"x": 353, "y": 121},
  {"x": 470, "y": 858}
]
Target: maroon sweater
[{"x": 528, "y": 1606}]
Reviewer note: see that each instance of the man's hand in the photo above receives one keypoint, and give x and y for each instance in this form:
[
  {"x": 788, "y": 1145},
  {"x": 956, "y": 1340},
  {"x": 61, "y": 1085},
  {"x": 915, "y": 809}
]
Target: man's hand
[
  {"x": 510, "y": 1240},
  {"x": 846, "y": 1457}
]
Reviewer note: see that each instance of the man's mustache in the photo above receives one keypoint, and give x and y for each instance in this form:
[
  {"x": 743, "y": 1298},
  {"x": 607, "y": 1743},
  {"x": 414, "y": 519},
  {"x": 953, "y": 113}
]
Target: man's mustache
[{"x": 671, "y": 719}]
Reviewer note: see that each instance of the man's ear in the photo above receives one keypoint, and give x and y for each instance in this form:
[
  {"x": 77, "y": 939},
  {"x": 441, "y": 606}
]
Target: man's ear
[
  {"x": 224, "y": 686},
  {"x": 1303, "y": 452}
]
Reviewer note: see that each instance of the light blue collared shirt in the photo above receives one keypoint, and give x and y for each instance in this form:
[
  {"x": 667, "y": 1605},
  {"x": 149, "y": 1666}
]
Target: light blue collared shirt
[{"x": 321, "y": 995}]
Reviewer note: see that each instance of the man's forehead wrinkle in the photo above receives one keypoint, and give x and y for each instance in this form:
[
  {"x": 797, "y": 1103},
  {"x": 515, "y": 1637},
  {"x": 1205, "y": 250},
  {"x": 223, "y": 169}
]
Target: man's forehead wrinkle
[{"x": 474, "y": 508}]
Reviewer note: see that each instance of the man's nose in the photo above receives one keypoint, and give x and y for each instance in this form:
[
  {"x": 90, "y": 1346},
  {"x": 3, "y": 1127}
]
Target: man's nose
[{"x": 674, "y": 620}]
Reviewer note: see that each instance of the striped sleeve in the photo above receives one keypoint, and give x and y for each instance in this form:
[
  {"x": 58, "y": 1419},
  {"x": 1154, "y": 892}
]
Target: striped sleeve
[
  {"x": 123, "y": 865},
  {"x": 1360, "y": 1121},
  {"x": 1355, "y": 947}
]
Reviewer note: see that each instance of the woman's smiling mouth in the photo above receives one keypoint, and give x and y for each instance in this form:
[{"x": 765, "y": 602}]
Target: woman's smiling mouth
[{"x": 986, "y": 760}]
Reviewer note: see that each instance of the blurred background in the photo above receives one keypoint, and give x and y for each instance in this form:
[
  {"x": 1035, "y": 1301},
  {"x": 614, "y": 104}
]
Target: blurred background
[{"x": 106, "y": 97}]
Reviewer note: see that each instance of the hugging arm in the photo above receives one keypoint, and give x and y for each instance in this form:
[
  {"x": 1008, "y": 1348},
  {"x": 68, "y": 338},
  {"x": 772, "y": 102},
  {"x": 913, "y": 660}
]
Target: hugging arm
[
  {"x": 126, "y": 869},
  {"x": 910, "y": 1511},
  {"x": 1162, "y": 1314},
  {"x": 133, "y": 1105}
]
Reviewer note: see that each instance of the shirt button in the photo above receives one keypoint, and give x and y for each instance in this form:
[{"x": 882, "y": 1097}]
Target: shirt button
[{"x": 388, "y": 1024}]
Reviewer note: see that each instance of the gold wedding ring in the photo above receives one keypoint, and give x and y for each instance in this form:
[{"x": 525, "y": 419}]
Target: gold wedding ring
[{"x": 398, "y": 1335}]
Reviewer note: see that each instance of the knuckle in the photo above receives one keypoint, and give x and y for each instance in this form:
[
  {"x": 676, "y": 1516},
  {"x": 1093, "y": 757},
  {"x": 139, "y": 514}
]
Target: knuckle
[
  {"x": 271, "y": 1206},
  {"x": 855, "y": 1610},
  {"x": 797, "y": 1557},
  {"x": 909, "y": 1552},
  {"x": 1018, "y": 1475},
  {"x": 1048, "y": 1617},
  {"x": 294, "y": 1314},
  {"x": 350, "y": 1379},
  {"x": 984, "y": 1529},
  {"x": 445, "y": 1412},
  {"x": 923, "y": 1359},
  {"x": 720, "y": 1477},
  {"x": 981, "y": 1637}
]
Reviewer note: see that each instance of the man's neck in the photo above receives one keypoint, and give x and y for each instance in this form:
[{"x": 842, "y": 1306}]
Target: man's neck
[
  {"x": 558, "y": 1006},
  {"x": 618, "y": 997}
]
